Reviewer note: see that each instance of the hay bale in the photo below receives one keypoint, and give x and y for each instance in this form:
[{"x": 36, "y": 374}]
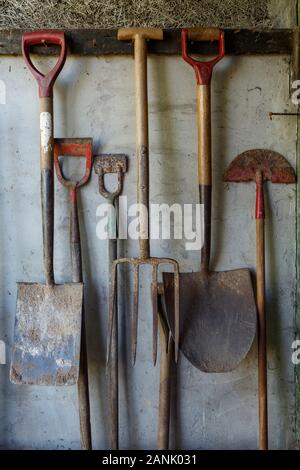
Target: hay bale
[{"x": 70, "y": 14}]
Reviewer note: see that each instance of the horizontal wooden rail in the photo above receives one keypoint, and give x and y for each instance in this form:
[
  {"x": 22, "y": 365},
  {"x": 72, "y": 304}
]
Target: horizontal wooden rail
[{"x": 104, "y": 42}]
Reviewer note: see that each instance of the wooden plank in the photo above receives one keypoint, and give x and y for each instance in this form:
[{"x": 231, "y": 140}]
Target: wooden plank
[
  {"x": 297, "y": 367},
  {"x": 104, "y": 42},
  {"x": 297, "y": 315}
]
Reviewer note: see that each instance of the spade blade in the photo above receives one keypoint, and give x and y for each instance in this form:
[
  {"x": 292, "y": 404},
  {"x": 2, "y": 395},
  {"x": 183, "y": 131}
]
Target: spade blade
[{"x": 47, "y": 334}]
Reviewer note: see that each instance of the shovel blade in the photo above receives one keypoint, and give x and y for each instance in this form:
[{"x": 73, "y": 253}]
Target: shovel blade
[
  {"x": 47, "y": 334},
  {"x": 217, "y": 317}
]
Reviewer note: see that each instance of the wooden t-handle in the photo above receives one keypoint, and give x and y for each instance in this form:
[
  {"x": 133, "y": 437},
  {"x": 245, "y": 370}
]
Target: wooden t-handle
[
  {"x": 204, "y": 34},
  {"x": 139, "y": 37},
  {"x": 126, "y": 34}
]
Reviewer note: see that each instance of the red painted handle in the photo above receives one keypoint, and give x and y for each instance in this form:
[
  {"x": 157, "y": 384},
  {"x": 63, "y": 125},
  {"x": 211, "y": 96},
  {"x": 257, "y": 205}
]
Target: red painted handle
[
  {"x": 203, "y": 70},
  {"x": 45, "y": 82},
  {"x": 74, "y": 148},
  {"x": 260, "y": 203}
]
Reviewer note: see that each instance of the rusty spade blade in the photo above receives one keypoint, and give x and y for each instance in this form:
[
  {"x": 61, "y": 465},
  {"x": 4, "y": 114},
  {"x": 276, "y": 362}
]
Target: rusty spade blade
[
  {"x": 217, "y": 309},
  {"x": 47, "y": 334}
]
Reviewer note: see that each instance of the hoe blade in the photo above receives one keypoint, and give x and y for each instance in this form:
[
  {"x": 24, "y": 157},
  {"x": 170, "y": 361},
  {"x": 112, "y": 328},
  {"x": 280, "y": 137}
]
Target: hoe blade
[
  {"x": 47, "y": 334},
  {"x": 217, "y": 317}
]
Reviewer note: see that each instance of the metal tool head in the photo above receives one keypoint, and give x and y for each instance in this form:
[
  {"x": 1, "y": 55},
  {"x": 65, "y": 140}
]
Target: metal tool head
[
  {"x": 271, "y": 165},
  {"x": 217, "y": 317},
  {"x": 47, "y": 334},
  {"x": 155, "y": 263},
  {"x": 108, "y": 164}
]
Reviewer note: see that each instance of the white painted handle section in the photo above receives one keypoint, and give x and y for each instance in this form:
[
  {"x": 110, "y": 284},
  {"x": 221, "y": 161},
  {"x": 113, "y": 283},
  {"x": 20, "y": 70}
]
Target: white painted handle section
[{"x": 2, "y": 353}]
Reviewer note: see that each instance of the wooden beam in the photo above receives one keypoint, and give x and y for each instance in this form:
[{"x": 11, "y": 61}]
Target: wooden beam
[
  {"x": 295, "y": 69},
  {"x": 104, "y": 42}
]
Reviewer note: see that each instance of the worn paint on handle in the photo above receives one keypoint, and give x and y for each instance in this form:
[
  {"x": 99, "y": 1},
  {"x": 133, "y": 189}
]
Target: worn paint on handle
[{"x": 46, "y": 131}]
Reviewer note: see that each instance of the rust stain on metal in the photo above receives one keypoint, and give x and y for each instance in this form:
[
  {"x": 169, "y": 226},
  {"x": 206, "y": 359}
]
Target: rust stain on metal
[
  {"x": 136, "y": 263},
  {"x": 272, "y": 165},
  {"x": 108, "y": 164},
  {"x": 217, "y": 317},
  {"x": 47, "y": 334}
]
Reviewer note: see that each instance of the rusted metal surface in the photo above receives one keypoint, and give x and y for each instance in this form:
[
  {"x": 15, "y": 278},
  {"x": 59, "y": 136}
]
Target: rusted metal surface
[
  {"x": 47, "y": 341},
  {"x": 74, "y": 147},
  {"x": 104, "y": 41},
  {"x": 108, "y": 164},
  {"x": 217, "y": 309},
  {"x": 260, "y": 165},
  {"x": 217, "y": 317},
  {"x": 136, "y": 263},
  {"x": 273, "y": 166},
  {"x": 112, "y": 164}
]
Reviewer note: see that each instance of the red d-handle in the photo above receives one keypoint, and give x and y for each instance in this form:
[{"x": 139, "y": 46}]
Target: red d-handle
[
  {"x": 45, "y": 82},
  {"x": 75, "y": 148},
  {"x": 203, "y": 70}
]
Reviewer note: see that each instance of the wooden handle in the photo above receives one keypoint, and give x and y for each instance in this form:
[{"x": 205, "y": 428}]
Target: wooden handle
[
  {"x": 204, "y": 166},
  {"x": 204, "y": 134},
  {"x": 126, "y": 34},
  {"x": 261, "y": 311},
  {"x": 47, "y": 184},
  {"x": 83, "y": 393},
  {"x": 204, "y": 34},
  {"x": 166, "y": 355},
  {"x": 76, "y": 261}
]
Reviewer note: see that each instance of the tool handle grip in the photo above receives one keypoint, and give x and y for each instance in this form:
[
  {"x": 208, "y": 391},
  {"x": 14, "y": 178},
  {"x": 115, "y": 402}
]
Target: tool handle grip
[
  {"x": 45, "y": 82},
  {"x": 203, "y": 70},
  {"x": 73, "y": 148},
  {"x": 111, "y": 195},
  {"x": 203, "y": 34},
  {"x": 126, "y": 34}
]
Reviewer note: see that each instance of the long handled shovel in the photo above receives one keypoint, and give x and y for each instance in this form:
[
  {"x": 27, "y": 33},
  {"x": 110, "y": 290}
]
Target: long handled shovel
[
  {"x": 217, "y": 309},
  {"x": 261, "y": 165},
  {"x": 112, "y": 164},
  {"x": 77, "y": 148},
  {"x": 46, "y": 347},
  {"x": 139, "y": 36}
]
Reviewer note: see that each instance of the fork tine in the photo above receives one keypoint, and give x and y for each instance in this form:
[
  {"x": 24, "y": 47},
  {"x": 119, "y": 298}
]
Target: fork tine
[
  {"x": 134, "y": 320},
  {"x": 154, "y": 289},
  {"x": 176, "y": 310},
  {"x": 111, "y": 314}
]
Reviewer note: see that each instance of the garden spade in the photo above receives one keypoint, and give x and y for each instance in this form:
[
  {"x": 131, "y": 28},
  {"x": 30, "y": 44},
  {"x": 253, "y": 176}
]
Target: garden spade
[
  {"x": 217, "y": 309},
  {"x": 46, "y": 347}
]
